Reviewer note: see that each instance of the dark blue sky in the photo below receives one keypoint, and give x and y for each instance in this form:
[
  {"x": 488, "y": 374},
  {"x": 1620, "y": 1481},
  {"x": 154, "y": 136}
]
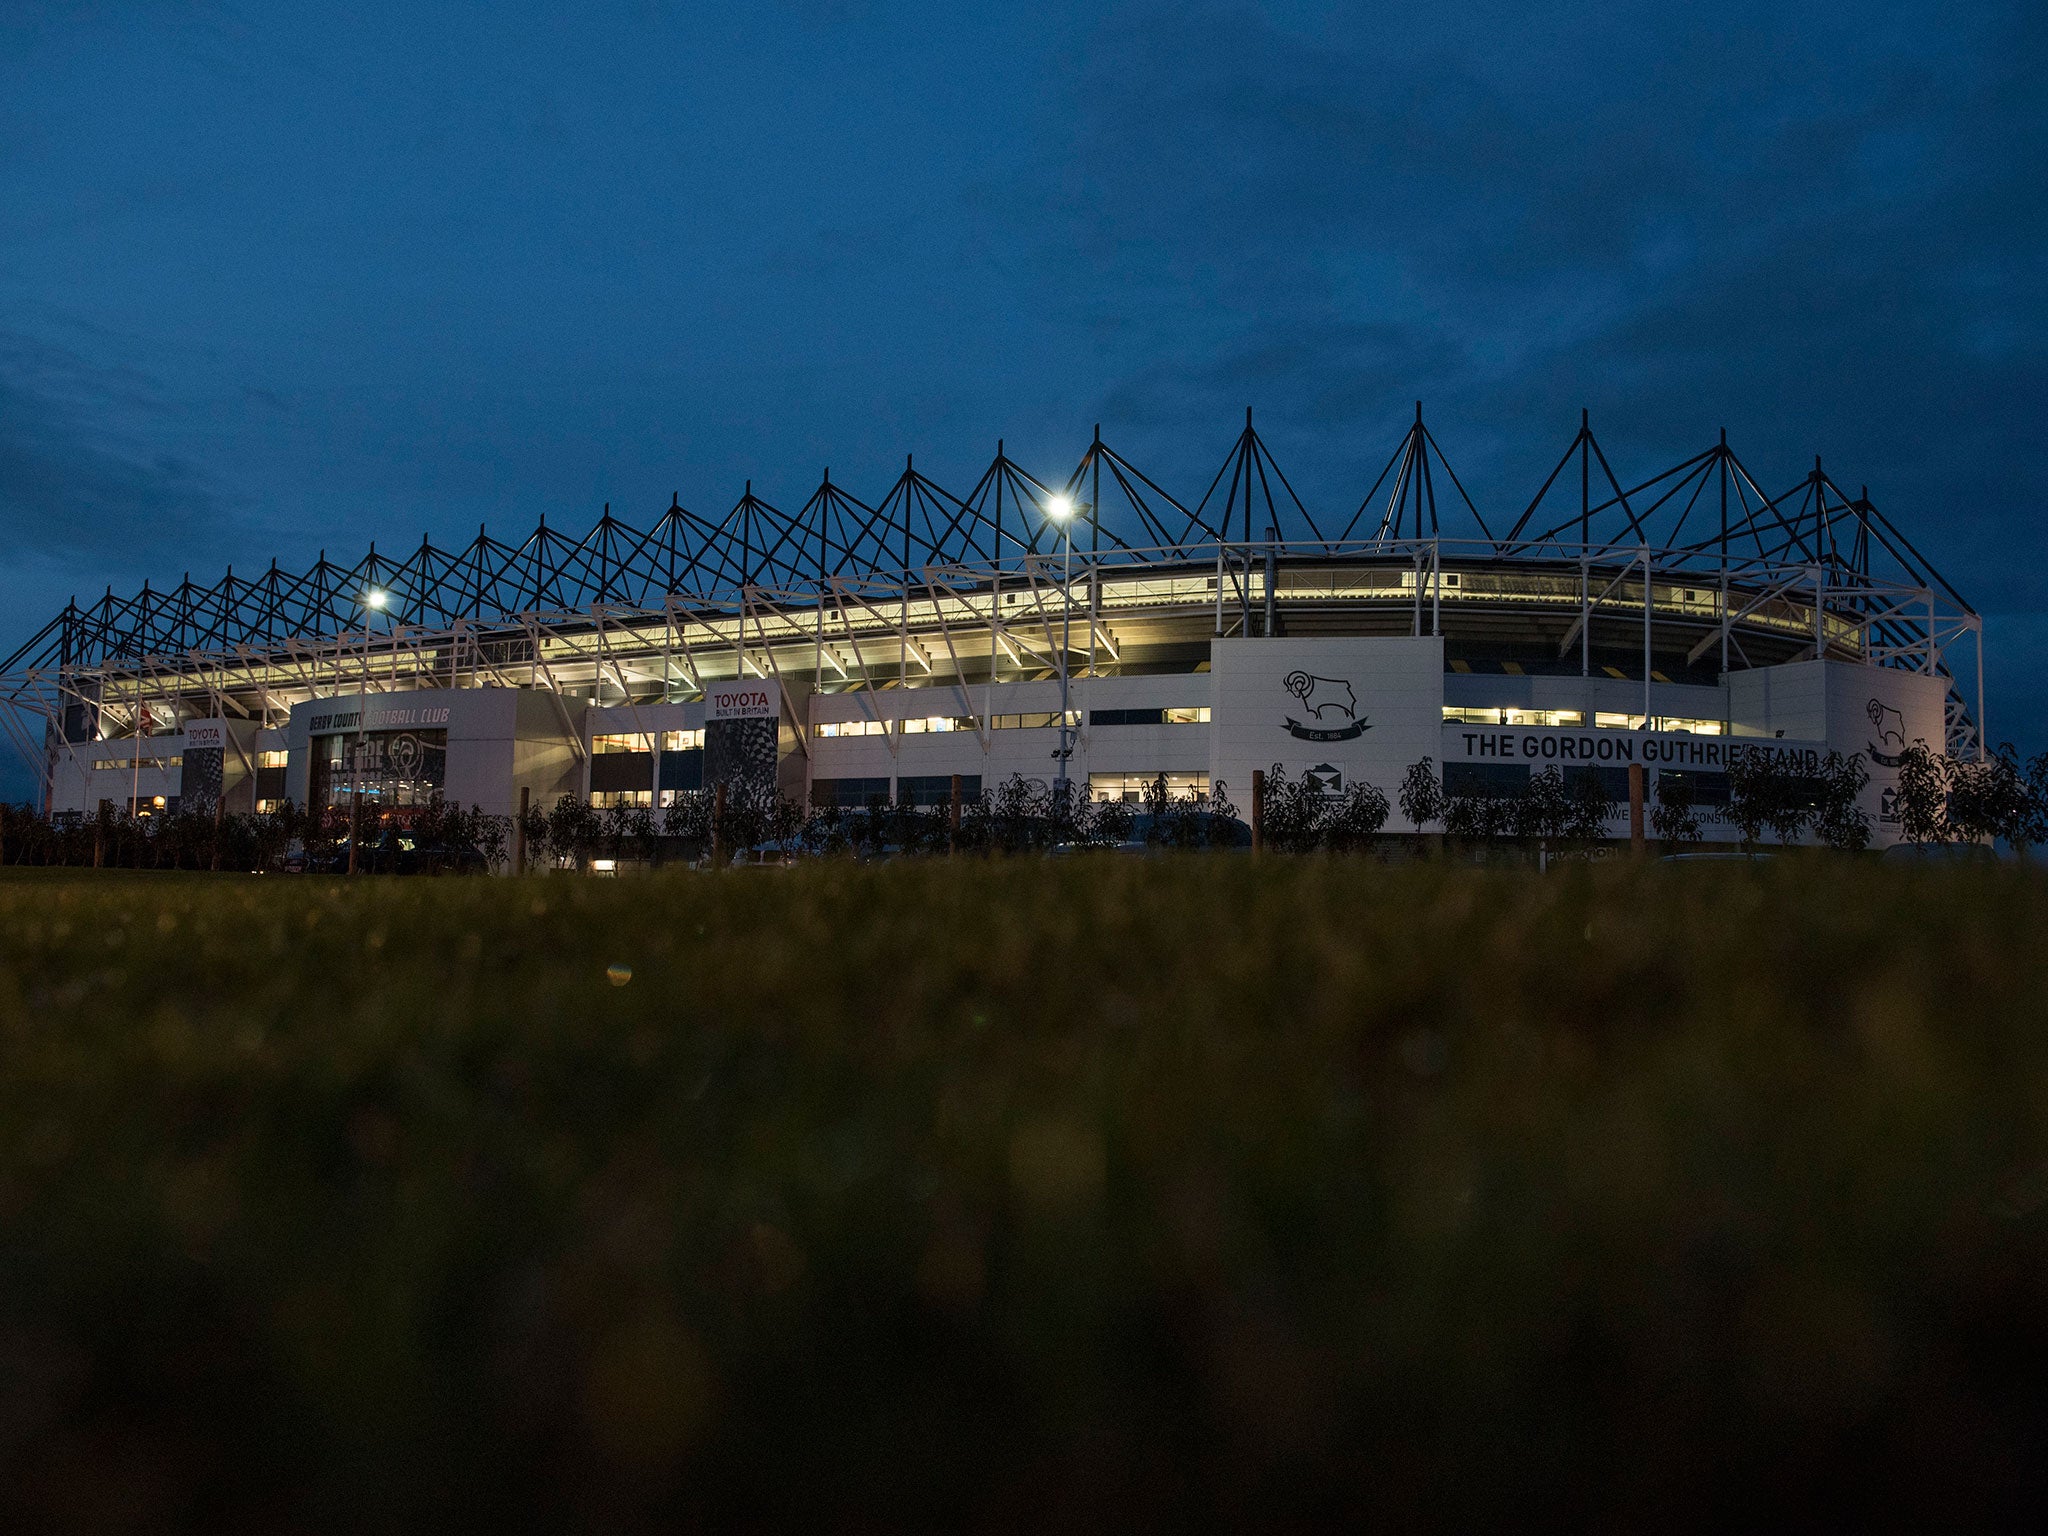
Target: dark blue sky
[{"x": 278, "y": 277}]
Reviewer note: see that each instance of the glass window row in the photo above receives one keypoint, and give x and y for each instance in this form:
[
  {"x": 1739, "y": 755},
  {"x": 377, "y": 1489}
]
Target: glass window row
[
  {"x": 643, "y": 741},
  {"x": 1130, "y": 788},
  {"x": 1605, "y": 720},
  {"x": 1193, "y": 714},
  {"x": 918, "y": 725}
]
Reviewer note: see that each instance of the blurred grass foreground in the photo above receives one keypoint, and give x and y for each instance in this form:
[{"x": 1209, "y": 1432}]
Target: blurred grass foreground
[{"x": 1072, "y": 1194}]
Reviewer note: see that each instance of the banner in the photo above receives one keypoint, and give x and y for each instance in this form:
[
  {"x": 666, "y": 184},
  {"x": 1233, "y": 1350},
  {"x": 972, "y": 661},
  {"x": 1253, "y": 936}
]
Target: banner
[
  {"x": 1539, "y": 745},
  {"x": 742, "y": 701}
]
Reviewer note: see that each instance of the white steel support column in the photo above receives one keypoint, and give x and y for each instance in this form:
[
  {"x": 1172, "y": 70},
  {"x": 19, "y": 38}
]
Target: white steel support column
[
  {"x": 1983, "y": 729},
  {"x": 1646, "y": 637},
  {"x": 1585, "y": 615},
  {"x": 1436, "y": 586},
  {"x": 1820, "y": 610}
]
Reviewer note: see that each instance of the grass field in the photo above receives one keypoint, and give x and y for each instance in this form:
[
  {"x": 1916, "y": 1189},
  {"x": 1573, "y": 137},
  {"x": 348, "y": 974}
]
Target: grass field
[{"x": 1076, "y": 1195}]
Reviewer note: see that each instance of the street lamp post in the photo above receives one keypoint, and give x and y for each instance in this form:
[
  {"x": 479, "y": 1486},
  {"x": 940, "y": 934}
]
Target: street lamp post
[
  {"x": 373, "y": 600},
  {"x": 1061, "y": 510}
]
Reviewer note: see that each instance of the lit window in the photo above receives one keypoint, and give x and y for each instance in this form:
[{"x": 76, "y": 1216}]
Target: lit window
[
  {"x": 1465, "y": 714},
  {"x": 633, "y": 742},
  {"x": 1685, "y": 724},
  {"x": 272, "y": 759},
  {"x": 829, "y": 728},
  {"x": 1197, "y": 714},
  {"x": 682, "y": 741},
  {"x": 1038, "y": 720},
  {"x": 1130, "y": 788}
]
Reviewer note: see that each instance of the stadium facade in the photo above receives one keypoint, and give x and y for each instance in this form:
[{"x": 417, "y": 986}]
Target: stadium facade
[{"x": 1095, "y": 628}]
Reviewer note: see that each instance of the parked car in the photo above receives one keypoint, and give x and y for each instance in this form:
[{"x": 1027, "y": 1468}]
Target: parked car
[
  {"x": 1154, "y": 834},
  {"x": 397, "y": 852}
]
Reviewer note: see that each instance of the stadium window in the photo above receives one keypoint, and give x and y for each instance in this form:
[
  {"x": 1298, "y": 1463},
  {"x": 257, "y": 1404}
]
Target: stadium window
[
  {"x": 1130, "y": 787},
  {"x": 268, "y": 807},
  {"x": 634, "y": 742},
  {"x": 1172, "y": 715},
  {"x": 848, "y": 794},
  {"x": 1038, "y": 720},
  {"x": 1613, "y": 782},
  {"x": 1493, "y": 781},
  {"x": 831, "y": 728},
  {"x": 682, "y": 741},
  {"x": 919, "y": 725},
  {"x": 1465, "y": 714},
  {"x": 1681, "y": 724},
  {"x": 936, "y": 788},
  {"x": 604, "y": 799},
  {"x": 1709, "y": 790},
  {"x": 272, "y": 759}
]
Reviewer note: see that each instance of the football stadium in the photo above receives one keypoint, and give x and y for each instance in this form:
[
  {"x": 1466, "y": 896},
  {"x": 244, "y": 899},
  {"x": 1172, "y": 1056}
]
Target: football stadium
[{"x": 1093, "y": 630}]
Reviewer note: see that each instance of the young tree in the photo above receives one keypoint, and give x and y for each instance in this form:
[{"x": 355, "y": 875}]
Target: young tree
[
  {"x": 1591, "y": 808},
  {"x": 1544, "y": 808},
  {"x": 1356, "y": 819},
  {"x": 1793, "y": 800},
  {"x": 1988, "y": 798},
  {"x": 1174, "y": 822},
  {"x": 1112, "y": 822},
  {"x": 688, "y": 820},
  {"x": 1467, "y": 818},
  {"x": 1922, "y": 795},
  {"x": 571, "y": 828},
  {"x": 2031, "y": 828},
  {"x": 489, "y": 835},
  {"x": 1422, "y": 795},
  {"x": 1219, "y": 823},
  {"x": 1295, "y": 811},
  {"x": 1839, "y": 821},
  {"x": 1674, "y": 819},
  {"x": 533, "y": 826},
  {"x": 1007, "y": 817},
  {"x": 1756, "y": 792}
]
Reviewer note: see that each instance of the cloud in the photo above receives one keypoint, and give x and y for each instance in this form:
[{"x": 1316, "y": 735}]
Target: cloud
[
  {"x": 73, "y": 480},
  {"x": 1823, "y": 232}
]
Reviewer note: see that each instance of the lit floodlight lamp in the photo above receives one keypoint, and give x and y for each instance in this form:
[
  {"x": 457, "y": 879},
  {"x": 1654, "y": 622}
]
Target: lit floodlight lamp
[
  {"x": 376, "y": 597},
  {"x": 1060, "y": 508}
]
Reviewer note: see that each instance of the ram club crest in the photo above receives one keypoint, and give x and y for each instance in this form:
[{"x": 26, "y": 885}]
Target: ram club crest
[
  {"x": 1329, "y": 703},
  {"x": 1890, "y": 727},
  {"x": 406, "y": 756}
]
